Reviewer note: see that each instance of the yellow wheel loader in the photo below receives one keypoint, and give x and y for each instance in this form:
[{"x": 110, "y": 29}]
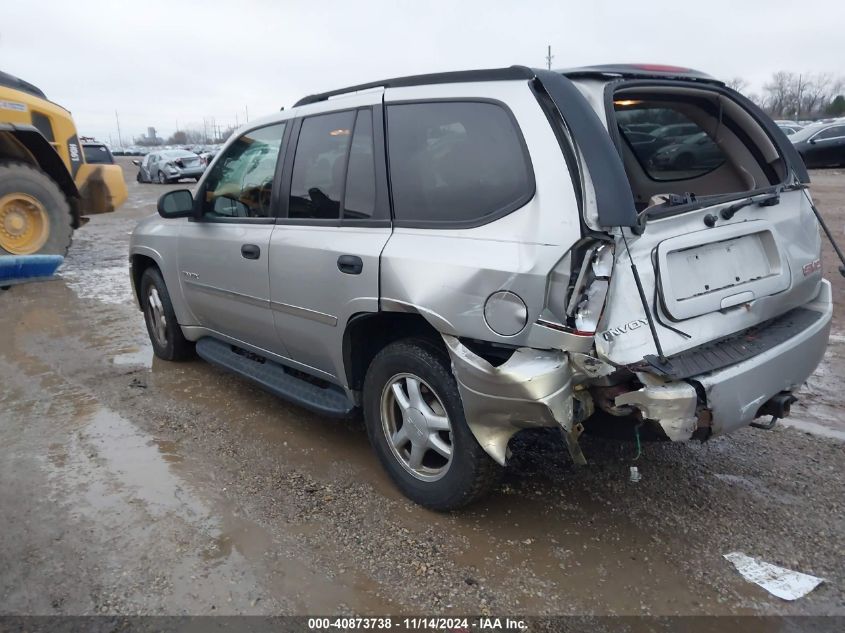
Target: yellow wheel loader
[{"x": 46, "y": 187}]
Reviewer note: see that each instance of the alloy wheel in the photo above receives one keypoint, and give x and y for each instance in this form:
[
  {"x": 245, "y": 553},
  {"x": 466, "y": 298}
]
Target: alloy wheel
[
  {"x": 156, "y": 317},
  {"x": 417, "y": 427}
]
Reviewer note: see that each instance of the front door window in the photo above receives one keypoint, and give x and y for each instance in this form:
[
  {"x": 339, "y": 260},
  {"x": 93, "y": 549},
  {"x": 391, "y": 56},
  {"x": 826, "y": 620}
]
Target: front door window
[{"x": 240, "y": 184}]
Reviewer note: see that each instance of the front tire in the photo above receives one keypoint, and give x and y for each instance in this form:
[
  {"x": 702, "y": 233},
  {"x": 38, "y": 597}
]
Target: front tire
[
  {"x": 165, "y": 334},
  {"x": 162, "y": 179},
  {"x": 35, "y": 215},
  {"x": 416, "y": 425}
]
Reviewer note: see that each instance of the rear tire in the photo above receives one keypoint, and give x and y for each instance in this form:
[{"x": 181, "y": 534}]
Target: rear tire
[
  {"x": 433, "y": 406},
  {"x": 35, "y": 214},
  {"x": 165, "y": 334}
]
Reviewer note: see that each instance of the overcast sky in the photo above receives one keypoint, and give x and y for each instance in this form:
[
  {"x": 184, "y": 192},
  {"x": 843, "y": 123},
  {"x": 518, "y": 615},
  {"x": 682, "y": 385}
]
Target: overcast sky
[{"x": 162, "y": 62}]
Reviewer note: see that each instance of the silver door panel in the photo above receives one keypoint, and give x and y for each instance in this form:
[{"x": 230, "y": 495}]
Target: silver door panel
[
  {"x": 310, "y": 316},
  {"x": 225, "y": 291}
]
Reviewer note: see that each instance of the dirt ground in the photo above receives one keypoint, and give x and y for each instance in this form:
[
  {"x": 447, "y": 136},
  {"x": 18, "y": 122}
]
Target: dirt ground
[{"x": 131, "y": 485}]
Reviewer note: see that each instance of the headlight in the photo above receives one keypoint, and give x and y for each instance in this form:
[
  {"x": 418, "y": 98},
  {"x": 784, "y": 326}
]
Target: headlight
[{"x": 171, "y": 167}]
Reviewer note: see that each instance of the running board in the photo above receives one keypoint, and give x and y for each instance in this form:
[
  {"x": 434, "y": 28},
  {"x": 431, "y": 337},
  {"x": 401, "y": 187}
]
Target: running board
[{"x": 276, "y": 378}]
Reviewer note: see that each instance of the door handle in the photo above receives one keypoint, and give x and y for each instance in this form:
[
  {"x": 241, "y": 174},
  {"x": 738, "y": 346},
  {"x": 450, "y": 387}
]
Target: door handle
[
  {"x": 350, "y": 264},
  {"x": 250, "y": 251}
]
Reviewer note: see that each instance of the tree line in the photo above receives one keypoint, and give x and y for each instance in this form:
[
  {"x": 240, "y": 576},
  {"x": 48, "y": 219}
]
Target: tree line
[
  {"x": 189, "y": 137},
  {"x": 799, "y": 96}
]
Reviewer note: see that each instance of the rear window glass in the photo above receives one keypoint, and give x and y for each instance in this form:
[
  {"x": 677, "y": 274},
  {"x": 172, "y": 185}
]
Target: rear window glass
[
  {"x": 666, "y": 143},
  {"x": 319, "y": 166},
  {"x": 455, "y": 162}
]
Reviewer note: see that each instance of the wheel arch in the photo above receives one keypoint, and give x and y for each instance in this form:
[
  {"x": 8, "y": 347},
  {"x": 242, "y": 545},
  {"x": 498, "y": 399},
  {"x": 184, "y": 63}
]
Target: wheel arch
[
  {"x": 138, "y": 263},
  {"x": 367, "y": 333}
]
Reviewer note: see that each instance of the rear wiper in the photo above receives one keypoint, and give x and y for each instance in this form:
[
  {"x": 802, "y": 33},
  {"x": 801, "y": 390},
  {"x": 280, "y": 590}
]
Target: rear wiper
[
  {"x": 689, "y": 202},
  {"x": 766, "y": 200}
]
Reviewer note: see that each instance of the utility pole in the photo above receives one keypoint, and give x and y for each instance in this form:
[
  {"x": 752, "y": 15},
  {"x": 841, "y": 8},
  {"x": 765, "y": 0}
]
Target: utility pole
[
  {"x": 117, "y": 118},
  {"x": 798, "y": 103},
  {"x": 247, "y": 113},
  {"x": 549, "y": 57}
]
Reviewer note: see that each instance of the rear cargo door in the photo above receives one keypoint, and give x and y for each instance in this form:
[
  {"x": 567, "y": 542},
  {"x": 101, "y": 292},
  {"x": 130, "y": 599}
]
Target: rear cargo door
[{"x": 705, "y": 282}]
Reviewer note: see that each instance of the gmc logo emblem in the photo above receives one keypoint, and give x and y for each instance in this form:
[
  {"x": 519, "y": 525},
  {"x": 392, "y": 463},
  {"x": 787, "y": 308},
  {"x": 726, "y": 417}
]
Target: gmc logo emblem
[{"x": 812, "y": 267}]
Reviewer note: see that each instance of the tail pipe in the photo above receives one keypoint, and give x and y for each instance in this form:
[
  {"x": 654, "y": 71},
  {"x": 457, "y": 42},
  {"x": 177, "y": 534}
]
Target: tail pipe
[{"x": 778, "y": 407}]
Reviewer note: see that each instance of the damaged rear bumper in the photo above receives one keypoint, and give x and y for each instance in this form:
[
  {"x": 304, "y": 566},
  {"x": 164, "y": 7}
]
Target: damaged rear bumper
[
  {"x": 539, "y": 388},
  {"x": 736, "y": 393},
  {"x": 733, "y": 395},
  {"x": 533, "y": 388}
]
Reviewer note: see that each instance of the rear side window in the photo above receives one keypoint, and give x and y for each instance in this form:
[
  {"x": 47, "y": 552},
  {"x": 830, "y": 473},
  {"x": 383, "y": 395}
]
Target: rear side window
[
  {"x": 832, "y": 132},
  {"x": 360, "y": 197},
  {"x": 456, "y": 163},
  {"x": 319, "y": 166},
  {"x": 676, "y": 149}
]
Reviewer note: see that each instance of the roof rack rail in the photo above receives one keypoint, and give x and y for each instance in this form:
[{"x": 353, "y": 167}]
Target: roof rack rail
[{"x": 487, "y": 74}]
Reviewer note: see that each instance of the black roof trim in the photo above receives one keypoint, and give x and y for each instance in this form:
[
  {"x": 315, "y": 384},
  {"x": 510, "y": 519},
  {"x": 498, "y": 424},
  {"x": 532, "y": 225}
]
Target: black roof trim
[
  {"x": 10, "y": 81},
  {"x": 487, "y": 74},
  {"x": 653, "y": 71}
]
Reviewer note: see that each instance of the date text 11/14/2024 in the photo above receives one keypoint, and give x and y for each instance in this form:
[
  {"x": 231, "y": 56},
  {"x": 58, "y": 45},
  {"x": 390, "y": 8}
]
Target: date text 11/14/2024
[{"x": 417, "y": 624}]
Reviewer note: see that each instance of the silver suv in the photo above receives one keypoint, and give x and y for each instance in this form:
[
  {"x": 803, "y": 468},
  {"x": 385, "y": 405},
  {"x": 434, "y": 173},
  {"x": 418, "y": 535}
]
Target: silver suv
[{"x": 465, "y": 255}]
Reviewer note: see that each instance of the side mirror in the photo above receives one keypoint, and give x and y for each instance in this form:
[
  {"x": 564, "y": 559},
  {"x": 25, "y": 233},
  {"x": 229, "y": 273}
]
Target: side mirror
[
  {"x": 137, "y": 163},
  {"x": 813, "y": 141},
  {"x": 176, "y": 204}
]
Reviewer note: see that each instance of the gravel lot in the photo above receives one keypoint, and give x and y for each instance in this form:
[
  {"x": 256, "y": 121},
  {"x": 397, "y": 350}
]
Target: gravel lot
[{"x": 131, "y": 485}]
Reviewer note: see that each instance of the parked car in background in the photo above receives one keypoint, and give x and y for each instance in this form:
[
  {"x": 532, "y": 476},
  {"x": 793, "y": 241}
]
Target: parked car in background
[
  {"x": 169, "y": 166},
  {"x": 789, "y": 130},
  {"x": 642, "y": 127},
  {"x": 821, "y": 144},
  {"x": 674, "y": 133},
  {"x": 97, "y": 153},
  {"x": 644, "y": 144},
  {"x": 697, "y": 152},
  {"x": 208, "y": 155},
  {"x": 426, "y": 249}
]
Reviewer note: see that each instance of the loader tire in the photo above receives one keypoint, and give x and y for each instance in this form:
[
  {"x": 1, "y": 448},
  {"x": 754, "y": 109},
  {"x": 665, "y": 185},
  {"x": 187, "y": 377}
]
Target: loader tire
[{"x": 35, "y": 214}]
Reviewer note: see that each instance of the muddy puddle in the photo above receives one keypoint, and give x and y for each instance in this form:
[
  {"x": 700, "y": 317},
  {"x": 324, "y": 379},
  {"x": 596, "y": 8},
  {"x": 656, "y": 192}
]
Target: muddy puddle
[{"x": 135, "y": 489}]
